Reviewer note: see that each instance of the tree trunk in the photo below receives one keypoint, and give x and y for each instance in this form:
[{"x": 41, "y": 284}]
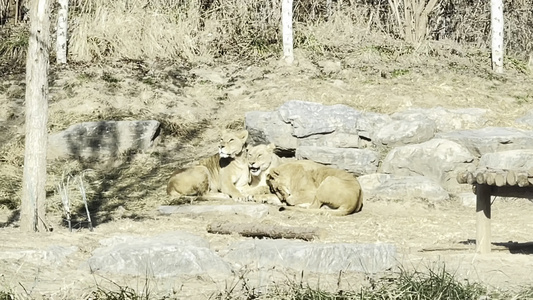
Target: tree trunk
[
  {"x": 286, "y": 24},
  {"x": 496, "y": 22},
  {"x": 62, "y": 29},
  {"x": 34, "y": 179}
]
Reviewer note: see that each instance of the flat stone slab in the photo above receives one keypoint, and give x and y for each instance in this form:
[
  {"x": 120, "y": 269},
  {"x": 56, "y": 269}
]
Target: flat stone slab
[
  {"x": 401, "y": 188},
  {"x": 104, "y": 139},
  {"x": 313, "y": 257},
  {"x": 490, "y": 139},
  {"x": 357, "y": 161},
  {"x": 251, "y": 210},
  {"x": 52, "y": 255},
  {"x": 170, "y": 254}
]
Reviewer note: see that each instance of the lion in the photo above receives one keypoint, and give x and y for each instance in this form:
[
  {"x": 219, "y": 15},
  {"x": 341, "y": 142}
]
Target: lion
[
  {"x": 226, "y": 172},
  {"x": 261, "y": 159},
  {"x": 306, "y": 183}
]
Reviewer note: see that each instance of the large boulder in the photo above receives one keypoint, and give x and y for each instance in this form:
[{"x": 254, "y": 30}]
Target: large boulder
[
  {"x": 446, "y": 119},
  {"x": 509, "y": 160},
  {"x": 403, "y": 132},
  {"x": 401, "y": 188},
  {"x": 103, "y": 140},
  {"x": 437, "y": 159},
  {"x": 356, "y": 161},
  {"x": 490, "y": 139},
  {"x": 301, "y": 123},
  {"x": 169, "y": 254},
  {"x": 331, "y": 258}
]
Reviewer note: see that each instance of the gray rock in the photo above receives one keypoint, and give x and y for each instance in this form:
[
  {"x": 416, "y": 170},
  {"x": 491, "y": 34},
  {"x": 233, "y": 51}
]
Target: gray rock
[
  {"x": 171, "y": 254},
  {"x": 467, "y": 199},
  {"x": 334, "y": 139},
  {"x": 491, "y": 139},
  {"x": 313, "y": 257},
  {"x": 402, "y": 188},
  {"x": 446, "y": 119},
  {"x": 268, "y": 127},
  {"x": 102, "y": 140},
  {"x": 437, "y": 159},
  {"x": 356, "y": 161},
  {"x": 53, "y": 255},
  {"x": 308, "y": 118},
  {"x": 402, "y": 132},
  {"x": 509, "y": 160},
  {"x": 526, "y": 120},
  {"x": 251, "y": 210}
]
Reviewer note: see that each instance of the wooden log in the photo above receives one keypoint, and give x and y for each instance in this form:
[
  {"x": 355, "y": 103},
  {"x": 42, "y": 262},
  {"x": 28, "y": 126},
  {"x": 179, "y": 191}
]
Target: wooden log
[
  {"x": 483, "y": 216},
  {"x": 480, "y": 177},
  {"x": 501, "y": 178},
  {"x": 462, "y": 177},
  {"x": 522, "y": 179},
  {"x": 470, "y": 179},
  {"x": 511, "y": 178},
  {"x": 490, "y": 177},
  {"x": 259, "y": 230}
]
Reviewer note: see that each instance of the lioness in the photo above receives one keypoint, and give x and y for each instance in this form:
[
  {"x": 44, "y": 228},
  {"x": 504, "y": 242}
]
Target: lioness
[
  {"x": 305, "y": 183},
  {"x": 226, "y": 172},
  {"x": 261, "y": 159}
]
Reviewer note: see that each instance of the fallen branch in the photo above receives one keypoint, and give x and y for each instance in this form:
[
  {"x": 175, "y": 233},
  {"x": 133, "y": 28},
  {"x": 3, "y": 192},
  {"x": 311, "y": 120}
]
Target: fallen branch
[{"x": 265, "y": 231}]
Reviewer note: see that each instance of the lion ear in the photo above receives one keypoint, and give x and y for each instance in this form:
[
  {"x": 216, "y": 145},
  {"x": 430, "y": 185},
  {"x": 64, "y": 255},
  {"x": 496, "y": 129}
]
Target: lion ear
[
  {"x": 243, "y": 135},
  {"x": 271, "y": 146}
]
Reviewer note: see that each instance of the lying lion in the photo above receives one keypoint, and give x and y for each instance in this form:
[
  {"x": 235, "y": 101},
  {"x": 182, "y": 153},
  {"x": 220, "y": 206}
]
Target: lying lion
[
  {"x": 226, "y": 172},
  {"x": 261, "y": 159},
  {"x": 305, "y": 183}
]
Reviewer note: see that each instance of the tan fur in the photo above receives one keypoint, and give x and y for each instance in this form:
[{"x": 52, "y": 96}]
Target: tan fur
[
  {"x": 225, "y": 172},
  {"x": 305, "y": 183},
  {"x": 261, "y": 159}
]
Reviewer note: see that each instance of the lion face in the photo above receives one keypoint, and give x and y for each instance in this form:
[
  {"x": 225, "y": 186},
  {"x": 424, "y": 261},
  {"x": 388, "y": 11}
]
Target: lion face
[
  {"x": 232, "y": 143},
  {"x": 260, "y": 158}
]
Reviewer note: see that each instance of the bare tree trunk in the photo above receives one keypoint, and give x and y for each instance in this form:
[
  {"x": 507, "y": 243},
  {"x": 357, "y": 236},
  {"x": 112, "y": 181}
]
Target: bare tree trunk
[
  {"x": 34, "y": 179},
  {"x": 62, "y": 29},
  {"x": 496, "y": 22},
  {"x": 286, "y": 24}
]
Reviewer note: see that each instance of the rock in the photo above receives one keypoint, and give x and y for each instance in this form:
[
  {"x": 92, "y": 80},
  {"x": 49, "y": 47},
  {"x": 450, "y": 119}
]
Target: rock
[
  {"x": 308, "y": 118},
  {"x": 526, "y": 120},
  {"x": 312, "y": 257},
  {"x": 301, "y": 123},
  {"x": 490, "y": 139},
  {"x": 402, "y": 188},
  {"x": 508, "y": 160},
  {"x": 446, "y": 119},
  {"x": 437, "y": 159},
  {"x": 170, "y": 254},
  {"x": 402, "y": 132},
  {"x": 268, "y": 127},
  {"x": 53, "y": 255},
  {"x": 356, "y": 161},
  {"x": 103, "y": 140},
  {"x": 251, "y": 210},
  {"x": 467, "y": 199}
]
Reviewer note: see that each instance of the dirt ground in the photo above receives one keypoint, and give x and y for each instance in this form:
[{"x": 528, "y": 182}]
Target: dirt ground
[{"x": 195, "y": 101}]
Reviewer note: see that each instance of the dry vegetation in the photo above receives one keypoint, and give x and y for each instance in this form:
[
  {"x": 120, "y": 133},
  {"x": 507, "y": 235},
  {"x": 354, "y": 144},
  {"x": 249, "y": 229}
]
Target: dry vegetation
[
  {"x": 150, "y": 50},
  {"x": 188, "y": 64}
]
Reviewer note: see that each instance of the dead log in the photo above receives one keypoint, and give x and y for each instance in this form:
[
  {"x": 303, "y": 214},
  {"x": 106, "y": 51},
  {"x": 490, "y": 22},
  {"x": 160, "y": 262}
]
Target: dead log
[{"x": 259, "y": 230}]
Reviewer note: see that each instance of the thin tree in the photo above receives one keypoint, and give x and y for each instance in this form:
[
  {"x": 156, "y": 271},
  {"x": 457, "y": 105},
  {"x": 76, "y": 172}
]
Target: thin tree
[
  {"x": 32, "y": 216},
  {"x": 286, "y": 26},
  {"x": 496, "y": 25},
  {"x": 62, "y": 29}
]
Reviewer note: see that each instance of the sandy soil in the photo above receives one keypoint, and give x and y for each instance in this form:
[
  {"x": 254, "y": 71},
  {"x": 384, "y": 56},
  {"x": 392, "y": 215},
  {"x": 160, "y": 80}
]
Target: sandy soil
[{"x": 195, "y": 102}]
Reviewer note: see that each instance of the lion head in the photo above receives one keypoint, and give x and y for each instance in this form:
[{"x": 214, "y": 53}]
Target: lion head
[
  {"x": 260, "y": 158},
  {"x": 232, "y": 143}
]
